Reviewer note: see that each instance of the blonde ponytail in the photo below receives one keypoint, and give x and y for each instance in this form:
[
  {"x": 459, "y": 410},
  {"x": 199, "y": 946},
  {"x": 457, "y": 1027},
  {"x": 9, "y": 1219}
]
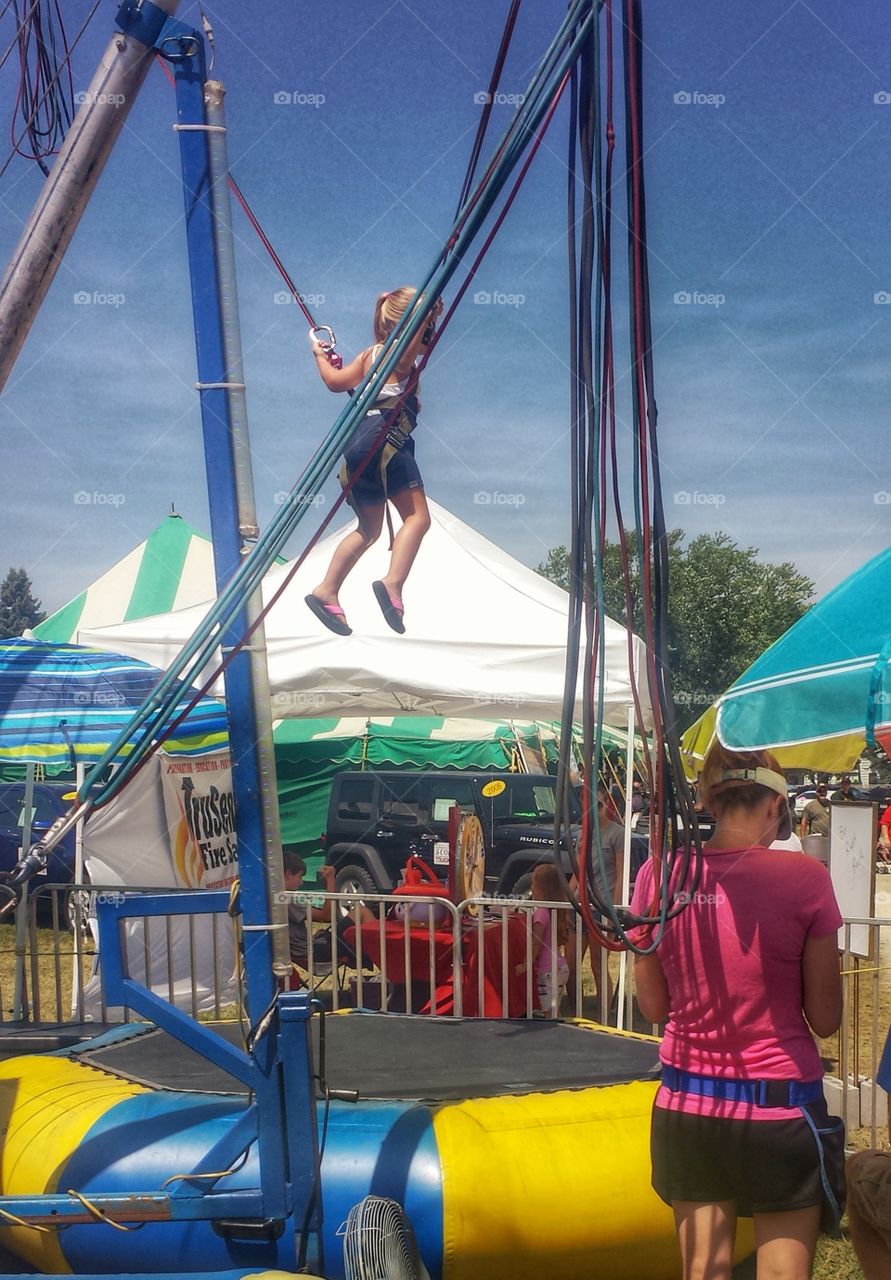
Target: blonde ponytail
[{"x": 389, "y": 310}]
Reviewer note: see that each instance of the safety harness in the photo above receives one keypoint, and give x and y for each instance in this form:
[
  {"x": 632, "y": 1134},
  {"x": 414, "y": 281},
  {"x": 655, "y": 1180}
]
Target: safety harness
[{"x": 400, "y": 417}]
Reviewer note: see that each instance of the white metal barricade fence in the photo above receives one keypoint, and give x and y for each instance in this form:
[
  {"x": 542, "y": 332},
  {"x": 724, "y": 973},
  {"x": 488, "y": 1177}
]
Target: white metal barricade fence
[
  {"x": 168, "y": 952},
  {"x": 414, "y": 954},
  {"x": 866, "y": 1012}
]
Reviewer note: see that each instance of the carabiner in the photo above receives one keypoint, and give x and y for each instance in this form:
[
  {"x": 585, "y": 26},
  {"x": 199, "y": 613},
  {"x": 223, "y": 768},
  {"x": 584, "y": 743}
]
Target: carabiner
[{"x": 328, "y": 343}]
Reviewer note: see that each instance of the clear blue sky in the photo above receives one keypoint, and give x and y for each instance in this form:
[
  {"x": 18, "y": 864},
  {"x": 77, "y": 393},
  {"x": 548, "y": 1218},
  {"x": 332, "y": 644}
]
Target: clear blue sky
[{"x": 768, "y": 191}]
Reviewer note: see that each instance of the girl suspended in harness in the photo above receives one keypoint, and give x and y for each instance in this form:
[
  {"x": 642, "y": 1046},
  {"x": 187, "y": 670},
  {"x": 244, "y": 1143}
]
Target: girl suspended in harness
[{"x": 390, "y": 472}]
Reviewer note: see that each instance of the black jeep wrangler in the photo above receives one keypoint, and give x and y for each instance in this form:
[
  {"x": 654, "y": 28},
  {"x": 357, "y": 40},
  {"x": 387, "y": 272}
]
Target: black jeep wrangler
[{"x": 377, "y": 820}]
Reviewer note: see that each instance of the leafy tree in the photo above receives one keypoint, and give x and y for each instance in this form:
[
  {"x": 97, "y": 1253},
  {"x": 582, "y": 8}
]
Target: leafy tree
[
  {"x": 725, "y": 608},
  {"x": 18, "y": 608}
]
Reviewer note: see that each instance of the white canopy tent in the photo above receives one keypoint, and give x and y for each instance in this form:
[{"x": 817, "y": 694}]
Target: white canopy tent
[{"x": 486, "y": 637}]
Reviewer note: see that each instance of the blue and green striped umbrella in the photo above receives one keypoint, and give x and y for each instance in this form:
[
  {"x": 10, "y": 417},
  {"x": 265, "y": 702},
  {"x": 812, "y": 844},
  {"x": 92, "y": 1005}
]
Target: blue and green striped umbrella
[
  {"x": 66, "y": 703},
  {"x": 812, "y": 696}
]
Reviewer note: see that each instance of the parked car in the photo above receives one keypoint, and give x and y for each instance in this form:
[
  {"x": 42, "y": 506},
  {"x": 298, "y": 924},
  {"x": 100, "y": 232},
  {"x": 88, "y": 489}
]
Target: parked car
[
  {"x": 803, "y": 796},
  {"x": 48, "y": 805},
  {"x": 377, "y": 820},
  {"x": 705, "y": 823}
]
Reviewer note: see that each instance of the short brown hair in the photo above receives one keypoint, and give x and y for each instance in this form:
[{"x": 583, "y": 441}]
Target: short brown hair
[
  {"x": 294, "y": 864},
  {"x": 719, "y": 794}
]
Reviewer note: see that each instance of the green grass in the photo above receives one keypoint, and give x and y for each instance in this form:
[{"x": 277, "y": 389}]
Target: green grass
[
  {"x": 835, "y": 1260},
  {"x": 55, "y": 965}
]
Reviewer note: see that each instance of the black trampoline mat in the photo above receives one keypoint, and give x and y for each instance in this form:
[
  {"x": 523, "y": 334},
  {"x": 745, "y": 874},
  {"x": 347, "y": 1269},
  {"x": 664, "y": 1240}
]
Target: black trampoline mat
[{"x": 391, "y": 1056}]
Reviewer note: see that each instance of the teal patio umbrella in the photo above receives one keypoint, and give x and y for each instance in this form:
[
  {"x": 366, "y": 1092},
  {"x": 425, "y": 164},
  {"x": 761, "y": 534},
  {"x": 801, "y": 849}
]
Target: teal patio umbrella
[{"x": 822, "y": 691}]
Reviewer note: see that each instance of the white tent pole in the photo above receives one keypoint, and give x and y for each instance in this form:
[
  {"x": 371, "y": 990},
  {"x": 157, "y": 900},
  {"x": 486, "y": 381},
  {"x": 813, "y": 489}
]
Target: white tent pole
[
  {"x": 77, "y": 915},
  {"x": 626, "y": 865},
  {"x": 80, "y": 774},
  {"x": 21, "y": 911}
]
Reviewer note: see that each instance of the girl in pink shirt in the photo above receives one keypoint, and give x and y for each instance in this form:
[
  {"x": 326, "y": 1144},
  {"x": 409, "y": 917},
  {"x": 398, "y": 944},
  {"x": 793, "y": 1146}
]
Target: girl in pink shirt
[
  {"x": 744, "y": 977},
  {"x": 549, "y": 937}
]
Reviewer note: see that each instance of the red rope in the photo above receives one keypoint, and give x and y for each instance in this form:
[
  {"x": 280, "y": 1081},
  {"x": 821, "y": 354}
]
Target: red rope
[
  {"x": 638, "y": 269},
  {"x": 255, "y": 223},
  {"x": 494, "y": 81}
]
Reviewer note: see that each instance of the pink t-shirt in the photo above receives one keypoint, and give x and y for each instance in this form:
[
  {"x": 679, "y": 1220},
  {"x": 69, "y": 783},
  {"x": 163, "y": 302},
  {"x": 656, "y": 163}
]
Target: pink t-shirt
[{"x": 732, "y": 961}]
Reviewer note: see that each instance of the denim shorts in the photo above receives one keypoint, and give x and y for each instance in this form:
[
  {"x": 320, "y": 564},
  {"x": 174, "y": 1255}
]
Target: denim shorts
[{"x": 402, "y": 470}]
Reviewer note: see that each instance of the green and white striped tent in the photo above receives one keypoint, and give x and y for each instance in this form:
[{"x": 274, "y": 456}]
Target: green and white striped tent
[
  {"x": 171, "y": 569},
  {"x": 309, "y": 752}
]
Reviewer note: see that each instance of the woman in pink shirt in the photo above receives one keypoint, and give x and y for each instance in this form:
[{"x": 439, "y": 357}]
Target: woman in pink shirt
[{"x": 743, "y": 978}]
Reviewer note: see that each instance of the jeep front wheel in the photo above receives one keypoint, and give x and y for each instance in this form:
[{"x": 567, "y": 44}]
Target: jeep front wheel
[{"x": 355, "y": 879}]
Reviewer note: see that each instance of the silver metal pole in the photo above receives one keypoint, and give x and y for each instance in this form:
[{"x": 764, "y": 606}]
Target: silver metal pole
[
  {"x": 214, "y": 95},
  {"x": 624, "y": 985},
  {"x": 55, "y": 216},
  {"x": 19, "y": 1003},
  {"x": 78, "y": 912}
]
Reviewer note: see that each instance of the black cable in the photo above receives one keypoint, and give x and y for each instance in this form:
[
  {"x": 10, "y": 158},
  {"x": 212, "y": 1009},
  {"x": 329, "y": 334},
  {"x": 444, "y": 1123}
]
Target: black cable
[
  {"x": 592, "y": 447},
  {"x": 48, "y": 114},
  {"x": 312, "y": 1199},
  {"x": 563, "y": 816},
  {"x": 680, "y": 847},
  {"x": 13, "y": 44},
  {"x": 49, "y": 88}
]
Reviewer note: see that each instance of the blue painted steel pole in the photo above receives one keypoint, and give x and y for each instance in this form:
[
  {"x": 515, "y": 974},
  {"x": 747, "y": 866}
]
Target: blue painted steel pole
[
  {"x": 185, "y": 50},
  {"x": 189, "y": 70}
]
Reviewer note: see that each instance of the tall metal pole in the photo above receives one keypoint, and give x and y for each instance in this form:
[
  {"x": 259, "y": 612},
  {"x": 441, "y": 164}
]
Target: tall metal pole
[
  {"x": 228, "y": 476},
  {"x": 88, "y": 143},
  {"x": 215, "y": 384},
  {"x": 214, "y": 94}
]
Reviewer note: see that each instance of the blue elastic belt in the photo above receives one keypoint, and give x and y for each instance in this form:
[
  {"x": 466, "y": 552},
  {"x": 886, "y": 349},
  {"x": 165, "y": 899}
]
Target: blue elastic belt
[{"x": 760, "y": 1093}]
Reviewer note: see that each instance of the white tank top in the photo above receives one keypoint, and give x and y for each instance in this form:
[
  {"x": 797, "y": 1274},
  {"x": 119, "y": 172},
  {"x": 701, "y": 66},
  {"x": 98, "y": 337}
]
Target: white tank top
[{"x": 390, "y": 391}]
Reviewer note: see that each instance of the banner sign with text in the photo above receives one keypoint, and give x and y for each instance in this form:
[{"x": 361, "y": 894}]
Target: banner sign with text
[{"x": 200, "y": 809}]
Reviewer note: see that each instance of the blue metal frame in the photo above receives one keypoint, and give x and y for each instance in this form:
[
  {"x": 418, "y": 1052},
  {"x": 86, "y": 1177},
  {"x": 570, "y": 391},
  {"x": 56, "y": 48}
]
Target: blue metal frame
[
  {"x": 288, "y": 1162},
  {"x": 183, "y": 48},
  {"x": 278, "y": 1069},
  {"x": 119, "y": 989}
]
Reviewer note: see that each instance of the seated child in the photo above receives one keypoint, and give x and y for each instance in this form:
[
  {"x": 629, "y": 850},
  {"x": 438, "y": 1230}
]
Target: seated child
[{"x": 302, "y": 911}]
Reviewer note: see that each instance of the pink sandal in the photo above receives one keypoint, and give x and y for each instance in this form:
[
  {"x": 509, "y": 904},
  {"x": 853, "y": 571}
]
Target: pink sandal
[
  {"x": 331, "y": 615},
  {"x": 390, "y": 608}
]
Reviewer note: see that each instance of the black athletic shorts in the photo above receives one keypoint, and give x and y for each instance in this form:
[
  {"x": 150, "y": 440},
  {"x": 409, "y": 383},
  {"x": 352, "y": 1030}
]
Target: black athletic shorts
[
  {"x": 766, "y": 1166},
  {"x": 402, "y": 470}
]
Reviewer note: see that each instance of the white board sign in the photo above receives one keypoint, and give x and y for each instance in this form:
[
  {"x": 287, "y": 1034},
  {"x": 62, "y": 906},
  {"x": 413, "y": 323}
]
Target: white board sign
[{"x": 852, "y": 866}]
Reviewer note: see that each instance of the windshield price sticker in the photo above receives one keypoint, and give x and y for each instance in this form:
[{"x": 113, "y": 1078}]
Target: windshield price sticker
[
  {"x": 494, "y": 788},
  {"x": 441, "y": 856}
]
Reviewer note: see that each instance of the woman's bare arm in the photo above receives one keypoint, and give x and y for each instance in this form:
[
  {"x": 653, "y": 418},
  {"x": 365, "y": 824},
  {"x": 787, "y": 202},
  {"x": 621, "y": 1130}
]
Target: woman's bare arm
[
  {"x": 821, "y": 985},
  {"x": 651, "y": 988}
]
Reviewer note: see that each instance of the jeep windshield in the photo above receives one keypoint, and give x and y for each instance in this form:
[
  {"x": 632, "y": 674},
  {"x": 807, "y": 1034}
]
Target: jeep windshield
[{"x": 525, "y": 799}]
